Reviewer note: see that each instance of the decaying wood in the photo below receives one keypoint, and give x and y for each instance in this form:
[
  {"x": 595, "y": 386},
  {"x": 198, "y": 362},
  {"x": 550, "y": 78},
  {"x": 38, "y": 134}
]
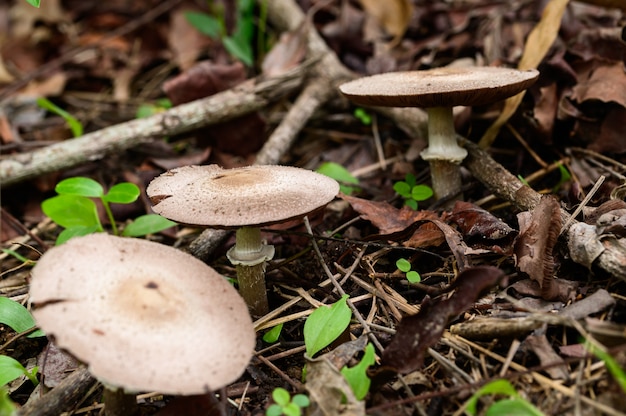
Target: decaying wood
[
  {"x": 63, "y": 397},
  {"x": 250, "y": 96}
]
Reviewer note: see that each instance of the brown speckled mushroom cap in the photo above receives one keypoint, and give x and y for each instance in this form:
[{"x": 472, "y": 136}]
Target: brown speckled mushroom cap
[
  {"x": 143, "y": 316},
  {"x": 232, "y": 198},
  {"x": 439, "y": 87}
]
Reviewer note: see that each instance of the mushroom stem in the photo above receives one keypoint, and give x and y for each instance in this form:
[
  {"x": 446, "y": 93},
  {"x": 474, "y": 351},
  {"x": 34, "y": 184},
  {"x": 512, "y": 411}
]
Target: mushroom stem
[
  {"x": 249, "y": 255},
  {"x": 443, "y": 152},
  {"x": 119, "y": 403}
]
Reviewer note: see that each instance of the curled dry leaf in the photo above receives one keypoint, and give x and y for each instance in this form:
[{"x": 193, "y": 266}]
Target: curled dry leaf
[
  {"x": 392, "y": 15},
  {"x": 539, "y": 231}
]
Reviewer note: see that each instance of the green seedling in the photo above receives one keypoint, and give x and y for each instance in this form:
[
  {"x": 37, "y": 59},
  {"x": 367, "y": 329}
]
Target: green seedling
[
  {"x": 411, "y": 191},
  {"x": 34, "y": 3},
  {"x": 286, "y": 405},
  {"x": 357, "y": 375},
  {"x": 239, "y": 43},
  {"x": 273, "y": 334},
  {"x": 405, "y": 266},
  {"x": 610, "y": 363},
  {"x": 75, "y": 210},
  {"x": 341, "y": 175},
  {"x": 363, "y": 116},
  {"x": 17, "y": 317},
  {"x": 564, "y": 177},
  {"x": 7, "y": 407},
  {"x": 11, "y": 369},
  {"x": 73, "y": 123},
  {"x": 150, "y": 109},
  {"x": 325, "y": 325},
  {"x": 514, "y": 405}
]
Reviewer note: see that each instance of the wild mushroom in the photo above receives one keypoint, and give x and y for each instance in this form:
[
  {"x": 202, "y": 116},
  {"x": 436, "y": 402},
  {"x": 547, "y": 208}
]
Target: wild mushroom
[
  {"x": 143, "y": 316},
  {"x": 244, "y": 199},
  {"x": 438, "y": 90}
]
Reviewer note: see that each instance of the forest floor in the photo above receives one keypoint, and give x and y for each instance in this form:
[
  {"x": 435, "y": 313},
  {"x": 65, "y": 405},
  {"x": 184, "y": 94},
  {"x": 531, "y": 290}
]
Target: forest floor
[{"x": 522, "y": 277}]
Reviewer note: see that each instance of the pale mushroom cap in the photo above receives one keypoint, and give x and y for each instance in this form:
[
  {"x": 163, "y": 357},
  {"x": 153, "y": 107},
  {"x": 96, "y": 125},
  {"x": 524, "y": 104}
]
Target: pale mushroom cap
[
  {"x": 230, "y": 198},
  {"x": 142, "y": 315},
  {"x": 439, "y": 87}
]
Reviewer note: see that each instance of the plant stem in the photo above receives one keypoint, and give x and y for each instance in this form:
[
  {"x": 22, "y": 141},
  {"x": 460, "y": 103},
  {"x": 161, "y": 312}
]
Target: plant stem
[{"x": 107, "y": 208}]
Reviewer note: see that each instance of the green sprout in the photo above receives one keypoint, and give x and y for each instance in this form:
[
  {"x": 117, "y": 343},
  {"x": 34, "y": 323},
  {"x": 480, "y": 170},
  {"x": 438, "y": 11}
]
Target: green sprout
[
  {"x": 405, "y": 266},
  {"x": 14, "y": 315},
  {"x": 239, "y": 43},
  {"x": 357, "y": 375},
  {"x": 273, "y": 334},
  {"x": 340, "y": 174},
  {"x": 73, "y": 123},
  {"x": 74, "y": 209},
  {"x": 325, "y": 325},
  {"x": 286, "y": 405},
  {"x": 363, "y": 116},
  {"x": 411, "y": 191},
  {"x": 514, "y": 405},
  {"x": 11, "y": 369},
  {"x": 150, "y": 109}
]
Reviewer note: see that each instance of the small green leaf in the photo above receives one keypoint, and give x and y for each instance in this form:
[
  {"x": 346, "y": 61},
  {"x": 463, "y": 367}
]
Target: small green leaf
[
  {"x": 363, "y": 116},
  {"x": 403, "y": 189},
  {"x": 274, "y": 410},
  {"x": 11, "y": 369},
  {"x": 77, "y": 231},
  {"x": 410, "y": 179},
  {"x": 413, "y": 276},
  {"x": 292, "y": 409},
  {"x": 513, "y": 407},
  {"x": 273, "y": 334},
  {"x": 411, "y": 203},
  {"x": 80, "y": 186},
  {"x": 500, "y": 386},
  {"x": 325, "y": 325},
  {"x": 403, "y": 265},
  {"x": 281, "y": 396},
  {"x": 71, "y": 211},
  {"x": 205, "y": 24},
  {"x": 122, "y": 193},
  {"x": 147, "y": 224},
  {"x": 7, "y": 407},
  {"x": 421, "y": 192},
  {"x": 72, "y": 122},
  {"x": 357, "y": 375},
  {"x": 34, "y": 3},
  {"x": 340, "y": 174},
  {"x": 239, "y": 49},
  {"x": 610, "y": 363},
  {"x": 302, "y": 400},
  {"x": 17, "y": 317}
]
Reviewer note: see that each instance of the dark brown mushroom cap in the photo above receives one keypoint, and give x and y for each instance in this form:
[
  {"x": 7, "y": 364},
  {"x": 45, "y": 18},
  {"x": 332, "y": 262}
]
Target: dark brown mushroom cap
[
  {"x": 232, "y": 198},
  {"x": 142, "y": 315},
  {"x": 439, "y": 87}
]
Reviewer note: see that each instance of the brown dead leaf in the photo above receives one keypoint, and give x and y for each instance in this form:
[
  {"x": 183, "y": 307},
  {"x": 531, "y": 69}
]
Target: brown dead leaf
[
  {"x": 185, "y": 41},
  {"x": 538, "y": 43},
  {"x": 386, "y": 217},
  {"x": 416, "y": 333},
  {"x": 606, "y": 83},
  {"x": 392, "y": 15},
  {"x": 477, "y": 223},
  {"x": 539, "y": 231},
  {"x": 287, "y": 53}
]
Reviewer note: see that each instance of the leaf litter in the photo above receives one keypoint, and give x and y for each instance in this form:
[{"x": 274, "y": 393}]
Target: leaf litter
[{"x": 504, "y": 293}]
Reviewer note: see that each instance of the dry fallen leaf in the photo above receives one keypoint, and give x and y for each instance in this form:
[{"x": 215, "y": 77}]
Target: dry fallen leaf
[{"x": 392, "y": 15}]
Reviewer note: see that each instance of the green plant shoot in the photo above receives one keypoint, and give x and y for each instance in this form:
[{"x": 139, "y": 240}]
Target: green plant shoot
[
  {"x": 11, "y": 369},
  {"x": 411, "y": 191},
  {"x": 17, "y": 317},
  {"x": 405, "y": 266},
  {"x": 73, "y": 123},
  {"x": 325, "y": 325},
  {"x": 611, "y": 364},
  {"x": 273, "y": 334},
  {"x": 7, "y": 407},
  {"x": 286, "y": 405},
  {"x": 357, "y": 375},
  {"x": 341, "y": 175},
  {"x": 514, "y": 405},
  {"x": 363, "y": 116},
  {"x": 74, "y": 209}
]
